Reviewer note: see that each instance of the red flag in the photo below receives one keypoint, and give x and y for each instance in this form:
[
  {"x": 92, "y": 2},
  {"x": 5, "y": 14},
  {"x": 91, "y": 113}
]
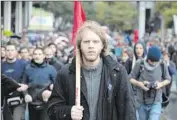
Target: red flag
[
  {"x": 79, "y": 18},
  {"x": 136, "y": 36}
]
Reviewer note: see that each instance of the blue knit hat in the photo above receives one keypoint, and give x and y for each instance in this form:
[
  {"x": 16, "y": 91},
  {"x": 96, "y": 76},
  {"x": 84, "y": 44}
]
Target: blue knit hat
[{"x": 154, "y": 54}]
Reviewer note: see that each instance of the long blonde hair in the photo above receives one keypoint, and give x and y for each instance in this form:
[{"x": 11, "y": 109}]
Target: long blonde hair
[{"x": 97, "y": 29}]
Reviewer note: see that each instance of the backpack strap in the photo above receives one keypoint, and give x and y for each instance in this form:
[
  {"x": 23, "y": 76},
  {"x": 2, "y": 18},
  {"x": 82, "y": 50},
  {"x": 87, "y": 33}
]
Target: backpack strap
[
  {"x": 162, "y": 68},
  {"x": 166, "y": 89},
  {"x": 141, "y": 69}
]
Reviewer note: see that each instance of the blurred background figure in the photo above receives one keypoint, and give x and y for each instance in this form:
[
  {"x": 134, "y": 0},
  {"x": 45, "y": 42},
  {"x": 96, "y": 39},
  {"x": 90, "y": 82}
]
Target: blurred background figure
[
  {"x": 51, "y": 59},
  {"x": 139, "y": 52},
  {"x": 14, "y": 69},
  {"x": 24, "y": 53},
  {"x": 3, "y": 54},
  {"x": 39, "y": 77},
  {"x": 126, "y": 60}
]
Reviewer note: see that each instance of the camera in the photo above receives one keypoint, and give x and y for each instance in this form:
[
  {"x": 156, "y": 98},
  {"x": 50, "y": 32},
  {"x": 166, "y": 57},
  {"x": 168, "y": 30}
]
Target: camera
[
  {"x": 150, "y": 95},
  {"x": 151, "y": 85}
]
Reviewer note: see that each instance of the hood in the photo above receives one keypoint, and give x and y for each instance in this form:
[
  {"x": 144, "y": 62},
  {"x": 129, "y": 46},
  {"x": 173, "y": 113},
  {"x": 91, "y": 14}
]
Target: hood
[
  {"x": 149, "y": 67},
  {"x": 145, "y": 52}
]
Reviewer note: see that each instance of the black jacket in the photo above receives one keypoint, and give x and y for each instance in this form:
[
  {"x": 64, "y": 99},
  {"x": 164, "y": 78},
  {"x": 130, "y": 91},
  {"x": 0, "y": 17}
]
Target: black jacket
[
  {"x": 127, "y": 64},
  {"x": 8, "y": 85},
  {"x": 113, "y": 104},
  {"x": 174, "y": 58},
  {"x": 55, "y": 63}
]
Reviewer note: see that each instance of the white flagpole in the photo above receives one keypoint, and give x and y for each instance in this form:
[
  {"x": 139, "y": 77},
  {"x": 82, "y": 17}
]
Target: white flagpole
[{"x": 78, "y": 74}]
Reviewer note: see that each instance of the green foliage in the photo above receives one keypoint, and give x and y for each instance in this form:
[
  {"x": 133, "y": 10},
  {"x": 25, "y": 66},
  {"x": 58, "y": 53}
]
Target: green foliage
[
  {"x": 89, "y": 9},
  {"x": 120, "y": 14},
  {"x": 167, "y": 9}
]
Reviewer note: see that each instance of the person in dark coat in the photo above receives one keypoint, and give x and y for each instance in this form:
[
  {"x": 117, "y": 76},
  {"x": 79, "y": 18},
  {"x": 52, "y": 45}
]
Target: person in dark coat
[
  {"x": 106, "y": 93},
  {"x": 51, "y": 59},
  {"x": 8, "y": 85},
  {"x": 172, "y": 72},
  {"x": 125, "y": 60}
]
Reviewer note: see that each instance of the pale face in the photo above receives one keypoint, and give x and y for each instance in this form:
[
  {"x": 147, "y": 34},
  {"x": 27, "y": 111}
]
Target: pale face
[
  {"x": 38, "y": 56},
  {"x": 48, "y": 53},
  {"x": 166, "y": 57},
  {"x": 153, "y": 63},
  {"x": 53, "y": 48},
  {"x": 91, "y": 46},
  {"x": 11, "y": 52},
  {"x": 60, "y": 46},
  {"x": 31, "y": 51},
  {"x": 125, "y": 55},
  {"x": 24, "y": 54},
  {"x": 139, "y": 50}
]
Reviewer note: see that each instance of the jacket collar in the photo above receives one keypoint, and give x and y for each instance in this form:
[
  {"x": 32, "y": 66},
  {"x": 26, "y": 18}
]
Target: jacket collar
[
  {"x": 41, "y": 66},
  {"x": 108, "y": 60}
]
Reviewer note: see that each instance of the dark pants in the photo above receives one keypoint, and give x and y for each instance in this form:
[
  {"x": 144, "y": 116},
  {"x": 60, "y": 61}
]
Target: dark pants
[
  {"x": 35, "y": 114},
  {"x": 18, "y": 112}
]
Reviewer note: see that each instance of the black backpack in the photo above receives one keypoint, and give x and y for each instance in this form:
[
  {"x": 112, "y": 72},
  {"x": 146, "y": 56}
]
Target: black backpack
[{"x": 165, "y": 90}]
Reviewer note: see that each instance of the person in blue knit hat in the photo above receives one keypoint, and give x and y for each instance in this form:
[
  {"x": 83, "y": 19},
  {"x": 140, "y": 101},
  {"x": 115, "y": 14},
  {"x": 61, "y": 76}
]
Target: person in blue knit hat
[
  {"x": 149, "y": 79},
  {"x": 154, "y": 54}
]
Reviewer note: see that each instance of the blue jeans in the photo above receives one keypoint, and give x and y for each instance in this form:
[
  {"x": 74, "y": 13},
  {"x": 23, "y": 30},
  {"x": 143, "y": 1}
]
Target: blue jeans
[
  {"x": 150, "y": 112},
  {"x": 137, "y": 115}
]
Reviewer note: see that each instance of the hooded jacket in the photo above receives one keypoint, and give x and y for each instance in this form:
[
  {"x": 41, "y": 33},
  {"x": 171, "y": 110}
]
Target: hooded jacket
[{"x": 115, "y": 102}]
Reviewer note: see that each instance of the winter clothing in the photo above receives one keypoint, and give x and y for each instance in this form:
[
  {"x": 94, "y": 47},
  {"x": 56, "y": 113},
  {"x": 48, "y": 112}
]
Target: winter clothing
[
  {"x": 115, "y": 101},
  {"x": 154, "y": 54},
  {"x": 55, "y": 63},
  {"x": 8, "y": 86},
  {"x": 143, "y": 71},
  {"x": 38, "y": 77},
  {"x": 150, "y": 74},
  {"x": 93, "y": 78},
  {"x": 127, "y": 64}
]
